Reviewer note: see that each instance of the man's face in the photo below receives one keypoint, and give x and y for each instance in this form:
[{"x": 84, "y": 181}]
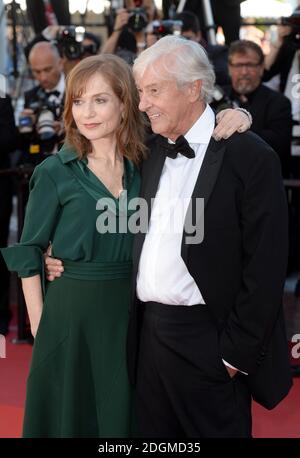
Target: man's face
[
  {"x": 168, "y": 107},
  {"x": 245, "y": 71},
  {"x": 46, "y": 68}
]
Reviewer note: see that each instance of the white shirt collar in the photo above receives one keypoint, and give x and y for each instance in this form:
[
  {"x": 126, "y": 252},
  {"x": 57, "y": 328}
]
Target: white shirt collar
[{"x": 200, "y": 132}]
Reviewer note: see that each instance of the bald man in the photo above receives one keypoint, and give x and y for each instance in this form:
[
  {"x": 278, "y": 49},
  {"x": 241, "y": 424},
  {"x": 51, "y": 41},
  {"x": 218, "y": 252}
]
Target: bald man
[
  {"x": 47, "y": 69},
  {"x": 46, "y": 65}
]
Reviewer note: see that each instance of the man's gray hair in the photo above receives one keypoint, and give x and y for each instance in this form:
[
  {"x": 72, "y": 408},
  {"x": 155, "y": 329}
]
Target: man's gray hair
[{"x": 184, "y": 60}]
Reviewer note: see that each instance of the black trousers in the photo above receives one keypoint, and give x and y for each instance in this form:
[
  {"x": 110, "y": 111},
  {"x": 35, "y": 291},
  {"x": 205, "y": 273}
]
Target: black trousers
[{"x": 183, "y": 388}]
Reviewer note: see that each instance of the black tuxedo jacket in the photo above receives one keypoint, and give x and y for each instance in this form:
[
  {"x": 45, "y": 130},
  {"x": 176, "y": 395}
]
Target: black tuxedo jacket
[
  {"x": 240, "y": 266},
  {"x": 272, "y": 120}
]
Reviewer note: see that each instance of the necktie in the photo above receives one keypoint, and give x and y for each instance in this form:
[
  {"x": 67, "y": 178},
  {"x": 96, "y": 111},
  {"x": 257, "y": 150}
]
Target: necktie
[{"x": 180, "y": 146}]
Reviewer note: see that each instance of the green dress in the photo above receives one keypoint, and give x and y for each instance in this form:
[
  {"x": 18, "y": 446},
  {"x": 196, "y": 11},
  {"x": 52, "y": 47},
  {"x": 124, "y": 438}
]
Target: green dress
[{"x": 78, "y": 384}]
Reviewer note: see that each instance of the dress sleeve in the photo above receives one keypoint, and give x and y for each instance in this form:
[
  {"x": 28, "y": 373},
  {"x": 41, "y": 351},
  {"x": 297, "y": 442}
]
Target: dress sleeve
[{"x": 42, "y": 212}]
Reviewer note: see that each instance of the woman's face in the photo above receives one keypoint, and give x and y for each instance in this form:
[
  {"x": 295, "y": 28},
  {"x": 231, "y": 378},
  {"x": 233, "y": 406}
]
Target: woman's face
[{"x": 98, "y": 111}]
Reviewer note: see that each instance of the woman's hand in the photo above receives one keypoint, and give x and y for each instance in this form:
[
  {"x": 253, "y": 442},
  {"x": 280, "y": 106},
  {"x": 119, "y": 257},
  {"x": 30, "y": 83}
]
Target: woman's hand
[{"x": 230, "y": 121}]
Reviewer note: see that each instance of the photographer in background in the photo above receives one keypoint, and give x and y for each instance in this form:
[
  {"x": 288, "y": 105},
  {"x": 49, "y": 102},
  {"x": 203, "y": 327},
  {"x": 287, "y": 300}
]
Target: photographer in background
[
  {"x": 285, "y": 51},
  {"x": 73, "y": 43},
  {"x": 270, "y": 110},
  {"x": 128, "y": 36},
  {"x": 39, "y": 124}
]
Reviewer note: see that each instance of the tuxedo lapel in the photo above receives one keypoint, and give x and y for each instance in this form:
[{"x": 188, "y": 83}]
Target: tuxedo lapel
[
  {"x": 203, "y": 188},
  {"x": 151, "y": 173}
]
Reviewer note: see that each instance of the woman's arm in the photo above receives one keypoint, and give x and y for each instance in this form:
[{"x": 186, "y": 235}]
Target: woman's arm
[{"x": 32, "y": 290}]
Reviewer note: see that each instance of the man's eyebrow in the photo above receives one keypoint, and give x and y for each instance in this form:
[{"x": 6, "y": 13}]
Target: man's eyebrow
[{"x": 149, "y": 86}]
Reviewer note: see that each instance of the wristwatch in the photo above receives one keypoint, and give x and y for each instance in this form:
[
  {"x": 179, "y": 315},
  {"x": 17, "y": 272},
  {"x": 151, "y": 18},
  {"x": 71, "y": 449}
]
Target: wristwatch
[{"x": 243, "y": 110}]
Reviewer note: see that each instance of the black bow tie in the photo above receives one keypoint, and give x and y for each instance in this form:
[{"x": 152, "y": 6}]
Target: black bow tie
[
  {"x": 56, "y": 93},
  {"x": 180, "y": 146}
]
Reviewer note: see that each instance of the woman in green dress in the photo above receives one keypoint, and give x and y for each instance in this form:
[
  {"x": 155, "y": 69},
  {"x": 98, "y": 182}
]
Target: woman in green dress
[{"x": 78, "y": 385}]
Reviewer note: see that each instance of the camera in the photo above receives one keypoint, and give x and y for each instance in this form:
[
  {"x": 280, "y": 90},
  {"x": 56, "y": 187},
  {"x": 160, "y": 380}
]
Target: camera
[
  {"x": 294, "y": 22},
  {"x": 46, "y": 111},
  {"x": 70, "y": 43},
  {"x": 221, "y": 100},
  {"x": 138, "y": 19},
  {"x": 166, "y": 27}
]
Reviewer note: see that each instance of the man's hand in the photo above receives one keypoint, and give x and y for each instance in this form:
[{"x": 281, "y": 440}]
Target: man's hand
[
  {"x": 230, "y": 121},
  {"x": 58, "y": 126},
  {"x": 30, "y": 113},
  {"x": 53, "y": 267}
]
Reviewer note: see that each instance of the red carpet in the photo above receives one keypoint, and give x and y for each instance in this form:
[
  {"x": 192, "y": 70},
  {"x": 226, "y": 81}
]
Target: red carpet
[
  {"x": 284, "y": 421},
  {"x": 13, "y": 369}
]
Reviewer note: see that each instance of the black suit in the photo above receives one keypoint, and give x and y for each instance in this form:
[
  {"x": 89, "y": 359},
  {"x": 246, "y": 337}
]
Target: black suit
[
  {"x": 240, "y": 270},
  {"x": 272, "y": 120}
]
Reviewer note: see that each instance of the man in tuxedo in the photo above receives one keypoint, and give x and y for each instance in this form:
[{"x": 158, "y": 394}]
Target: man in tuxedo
[
  {"x": 206, "y": 330},
  {"x": 47, "y": 70}
]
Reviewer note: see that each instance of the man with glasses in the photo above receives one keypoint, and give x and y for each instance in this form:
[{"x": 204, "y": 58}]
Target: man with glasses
[{"x": 270, "y": 110}]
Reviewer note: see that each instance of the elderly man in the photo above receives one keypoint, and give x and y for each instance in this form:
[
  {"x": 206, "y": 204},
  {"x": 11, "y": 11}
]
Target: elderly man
[{"x": 206, "y": 330}]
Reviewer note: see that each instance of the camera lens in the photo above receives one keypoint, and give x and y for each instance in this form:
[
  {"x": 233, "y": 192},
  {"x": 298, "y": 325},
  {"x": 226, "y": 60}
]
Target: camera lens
[
  {"x": 138, "y": 19},
  {"x": 44, "y": 125}
]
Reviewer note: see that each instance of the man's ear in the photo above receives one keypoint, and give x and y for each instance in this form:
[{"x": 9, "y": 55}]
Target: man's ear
[{"x": 195, "y": 90}]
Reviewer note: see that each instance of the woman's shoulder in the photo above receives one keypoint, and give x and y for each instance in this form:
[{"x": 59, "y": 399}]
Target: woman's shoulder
[{"x": 56, "y": 163}]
